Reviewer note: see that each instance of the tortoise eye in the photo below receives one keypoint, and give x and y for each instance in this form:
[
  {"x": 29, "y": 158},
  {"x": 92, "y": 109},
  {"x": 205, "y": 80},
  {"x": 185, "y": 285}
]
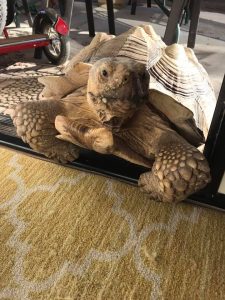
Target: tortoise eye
[{"x": 104, "y": 73}]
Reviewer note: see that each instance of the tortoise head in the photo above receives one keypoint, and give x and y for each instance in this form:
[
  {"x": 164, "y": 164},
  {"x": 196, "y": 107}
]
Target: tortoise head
[{"x": 117, "y": 87}]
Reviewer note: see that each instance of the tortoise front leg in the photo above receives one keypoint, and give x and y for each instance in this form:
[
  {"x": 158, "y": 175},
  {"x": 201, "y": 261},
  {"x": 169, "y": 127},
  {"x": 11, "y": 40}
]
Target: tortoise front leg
[
  {"x": 35, "y": 124},
  {"x": 93, "y": 136},
  {"x": 85, "y": 133},
  {"x": 179, "y": 171}
]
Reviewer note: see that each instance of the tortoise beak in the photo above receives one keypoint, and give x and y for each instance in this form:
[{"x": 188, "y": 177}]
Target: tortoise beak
[{"x": 113, "y": 124}]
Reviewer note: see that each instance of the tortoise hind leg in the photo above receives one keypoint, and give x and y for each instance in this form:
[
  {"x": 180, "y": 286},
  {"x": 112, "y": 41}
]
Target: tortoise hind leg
[
  {"x": 179, "y": 171},
  {"x": 34, "y": 122}
]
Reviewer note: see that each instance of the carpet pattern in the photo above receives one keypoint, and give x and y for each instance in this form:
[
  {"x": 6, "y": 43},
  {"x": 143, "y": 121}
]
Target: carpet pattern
[{"x": 67, "y": 234}]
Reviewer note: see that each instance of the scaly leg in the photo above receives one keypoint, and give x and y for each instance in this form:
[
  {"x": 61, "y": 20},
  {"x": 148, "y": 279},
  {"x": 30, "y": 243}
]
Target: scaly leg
[
  {"x": 35, "y": 124},
  {"x": 179, "y": 170}
]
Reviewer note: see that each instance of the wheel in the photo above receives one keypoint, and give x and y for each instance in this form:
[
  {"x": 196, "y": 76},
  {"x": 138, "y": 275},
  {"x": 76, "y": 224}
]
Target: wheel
[
  {"x": 58, "y": 50},
  {"x": 3, "y": 14}
]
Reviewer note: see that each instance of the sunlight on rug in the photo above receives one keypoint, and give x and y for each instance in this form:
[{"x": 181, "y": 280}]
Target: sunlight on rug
[{"x": 66, "y": 234}]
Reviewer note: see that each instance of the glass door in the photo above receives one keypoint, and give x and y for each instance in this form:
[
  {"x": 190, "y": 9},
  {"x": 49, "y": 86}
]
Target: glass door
[{"x": 214, "y": 193}]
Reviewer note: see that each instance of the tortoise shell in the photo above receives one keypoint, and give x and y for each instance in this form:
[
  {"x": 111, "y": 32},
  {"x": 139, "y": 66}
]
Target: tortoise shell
[{"x": 179, "y": 85}]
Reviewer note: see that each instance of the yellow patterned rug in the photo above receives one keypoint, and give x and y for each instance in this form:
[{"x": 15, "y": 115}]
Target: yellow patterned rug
[{"x": 66, "y": 234}]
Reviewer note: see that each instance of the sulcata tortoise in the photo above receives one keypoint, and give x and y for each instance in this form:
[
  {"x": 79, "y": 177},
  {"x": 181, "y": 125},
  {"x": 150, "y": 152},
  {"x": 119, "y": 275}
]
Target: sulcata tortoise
[{"x": 133, "y": 97}]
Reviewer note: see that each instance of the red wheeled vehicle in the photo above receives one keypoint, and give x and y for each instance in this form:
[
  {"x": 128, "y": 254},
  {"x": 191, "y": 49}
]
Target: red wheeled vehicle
[{"x": 50, "y": 34}]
